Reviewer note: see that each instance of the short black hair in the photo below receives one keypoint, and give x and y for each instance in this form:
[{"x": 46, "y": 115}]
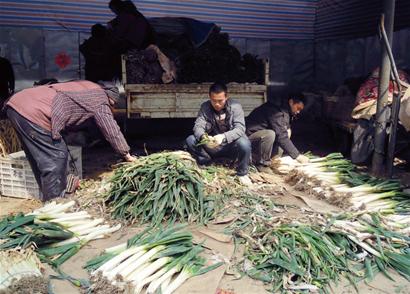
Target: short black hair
[
  {"x": 297, "y": 97},
  {"x": 46, "y": 81},
  {"x": 217, "y": 88}
]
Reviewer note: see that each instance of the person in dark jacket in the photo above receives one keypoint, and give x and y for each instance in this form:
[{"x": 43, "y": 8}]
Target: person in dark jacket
[
  {"x": 130, "y": 29},
  {"x": 221, "y": 121},
  {"x": 100, "y": 59},
  {"x": 6, "y": 80},
  {"x": 268, "y": 128}
]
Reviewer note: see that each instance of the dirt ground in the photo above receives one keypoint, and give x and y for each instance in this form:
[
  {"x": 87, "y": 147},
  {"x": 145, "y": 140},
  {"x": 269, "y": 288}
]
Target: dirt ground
[{"x": 100, "y": 159}]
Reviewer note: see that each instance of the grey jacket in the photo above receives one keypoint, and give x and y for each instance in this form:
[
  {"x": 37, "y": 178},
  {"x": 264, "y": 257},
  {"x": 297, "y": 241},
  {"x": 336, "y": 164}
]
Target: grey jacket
[
  {"x": 276, "y": 118},
  {"x": 206, "y": 121}
]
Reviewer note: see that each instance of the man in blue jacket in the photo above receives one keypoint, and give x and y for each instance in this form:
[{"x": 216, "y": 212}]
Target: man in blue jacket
[{"x": 221, "y": 122}]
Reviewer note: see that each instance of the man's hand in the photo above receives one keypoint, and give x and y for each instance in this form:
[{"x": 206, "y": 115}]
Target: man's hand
[
  {"x": 129, "y": 158},
  {"x": 302, "y": 159},
  {"x": 219, "y": 138}
]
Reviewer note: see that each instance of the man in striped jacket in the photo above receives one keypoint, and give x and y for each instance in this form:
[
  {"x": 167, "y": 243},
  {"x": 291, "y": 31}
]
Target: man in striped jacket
[{"x": 40, "y": 114}]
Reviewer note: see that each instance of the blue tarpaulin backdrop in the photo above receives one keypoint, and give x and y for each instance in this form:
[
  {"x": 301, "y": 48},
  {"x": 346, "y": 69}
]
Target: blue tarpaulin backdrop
[{"x": 310, "y": 43}]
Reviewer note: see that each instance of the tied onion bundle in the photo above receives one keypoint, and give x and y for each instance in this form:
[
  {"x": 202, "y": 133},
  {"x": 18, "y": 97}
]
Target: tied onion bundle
[
  {"x": 160, "y": 260},
  {"x": 16, "y": 265},
  {"x": 157, "y": 187}
]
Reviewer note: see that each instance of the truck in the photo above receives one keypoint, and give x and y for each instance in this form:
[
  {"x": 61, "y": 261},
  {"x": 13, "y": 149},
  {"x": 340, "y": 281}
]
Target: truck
[{"x": 146, "y": 101}]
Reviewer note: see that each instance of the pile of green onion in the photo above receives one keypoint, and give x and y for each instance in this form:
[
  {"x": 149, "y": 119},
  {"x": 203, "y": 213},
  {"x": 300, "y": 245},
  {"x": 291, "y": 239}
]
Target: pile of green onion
[
  {"x": 161, "y": 259},
  {"x": 157, "y": 187},
  {"x": 302, "y": 257}
]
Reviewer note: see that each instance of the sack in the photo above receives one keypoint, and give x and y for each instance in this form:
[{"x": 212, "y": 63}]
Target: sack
[{"x": 363, "y": 141}]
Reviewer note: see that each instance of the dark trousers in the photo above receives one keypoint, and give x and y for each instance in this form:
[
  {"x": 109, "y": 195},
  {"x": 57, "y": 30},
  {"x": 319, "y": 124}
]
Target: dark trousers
[
  {"x": 48, "y": 158},
  {"x": 264, "y": 147},
  {"x": 239, "y": 149}
]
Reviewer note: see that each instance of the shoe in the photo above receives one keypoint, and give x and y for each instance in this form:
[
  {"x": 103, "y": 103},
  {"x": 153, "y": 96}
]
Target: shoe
[
  {"x": 264, "y": 169},
  {"x": 245, "y": 180}
]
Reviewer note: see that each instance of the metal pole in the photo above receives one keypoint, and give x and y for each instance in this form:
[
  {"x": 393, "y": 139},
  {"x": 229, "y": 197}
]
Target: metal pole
[
  {"x": 395, "y": 105},
  {"x": 394, "y": 119},
  {"x": 378, "y": 167}
]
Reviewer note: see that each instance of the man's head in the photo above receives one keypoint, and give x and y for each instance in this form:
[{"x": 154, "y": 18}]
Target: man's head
[
  {"x": 296, "y": 102},
  {"x": 118, "y": 6},
  {"x": 218, "y": 94},
  {"x": 111, "y": 90},
  {"x": 115, "y": 6}
]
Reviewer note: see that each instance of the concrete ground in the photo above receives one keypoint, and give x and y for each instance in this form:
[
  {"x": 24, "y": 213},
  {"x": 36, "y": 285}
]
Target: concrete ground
[{"x": 144, "y": 136}]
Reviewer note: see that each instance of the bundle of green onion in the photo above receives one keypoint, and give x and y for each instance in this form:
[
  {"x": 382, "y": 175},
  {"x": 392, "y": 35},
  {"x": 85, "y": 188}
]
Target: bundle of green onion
[
  {"x": 19, "y": 264},
  {"x": 301, "y": 257},
  {"x": 335, "y": 179},
  {"x": 156, "y": 187},
  {"x": 160, "y": 260},
  {"x": 56, "y": 234}
]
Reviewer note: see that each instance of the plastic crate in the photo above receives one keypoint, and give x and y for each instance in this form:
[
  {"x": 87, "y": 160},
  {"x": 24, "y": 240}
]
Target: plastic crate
[{"x": 17, "y": 179}]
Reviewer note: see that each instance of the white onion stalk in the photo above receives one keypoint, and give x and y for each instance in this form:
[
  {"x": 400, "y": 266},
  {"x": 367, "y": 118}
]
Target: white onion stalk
[
  {"x": 112, "y": 263},
  {"x": 152, "y": 268},
  {"x": 149, "y": 279},
  {"x": 117, "y": 248},
  {"x": 165, "y": 284},
  {"x": 90, "y": 230},
  {"x": 86, "y": 225},
  {"x": 380, "y": 205},
  {"x": 71, "y": 218},
  {"x": 133, "y": 275},
  {"x": 123, "y": 265},
  {"x": 96, "y": 234},
  {"x": 154, "y": 285},
  {"x": 184, "y": 275},
  {"x": 62, "y": 216},
  {"x": 143, "y": 259},
  {"x": 49, "y": 206},
  {"x": 58, "y": 208},
  {"x": 72, "y": 223}
]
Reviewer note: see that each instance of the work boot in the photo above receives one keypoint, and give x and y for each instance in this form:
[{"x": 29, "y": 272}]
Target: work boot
[{"x": 264, "y": 169}]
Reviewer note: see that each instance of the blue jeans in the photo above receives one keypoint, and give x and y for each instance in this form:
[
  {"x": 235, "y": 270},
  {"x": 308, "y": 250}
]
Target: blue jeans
[{"x": 239, "y": 149}]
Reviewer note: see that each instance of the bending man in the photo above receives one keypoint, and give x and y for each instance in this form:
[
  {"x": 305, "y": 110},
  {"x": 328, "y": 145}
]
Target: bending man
[{"x": 39, "y": 114}]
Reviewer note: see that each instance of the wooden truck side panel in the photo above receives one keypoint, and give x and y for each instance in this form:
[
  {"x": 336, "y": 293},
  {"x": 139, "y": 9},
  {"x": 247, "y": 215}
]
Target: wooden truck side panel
[{"x": 183, "y": 100}]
